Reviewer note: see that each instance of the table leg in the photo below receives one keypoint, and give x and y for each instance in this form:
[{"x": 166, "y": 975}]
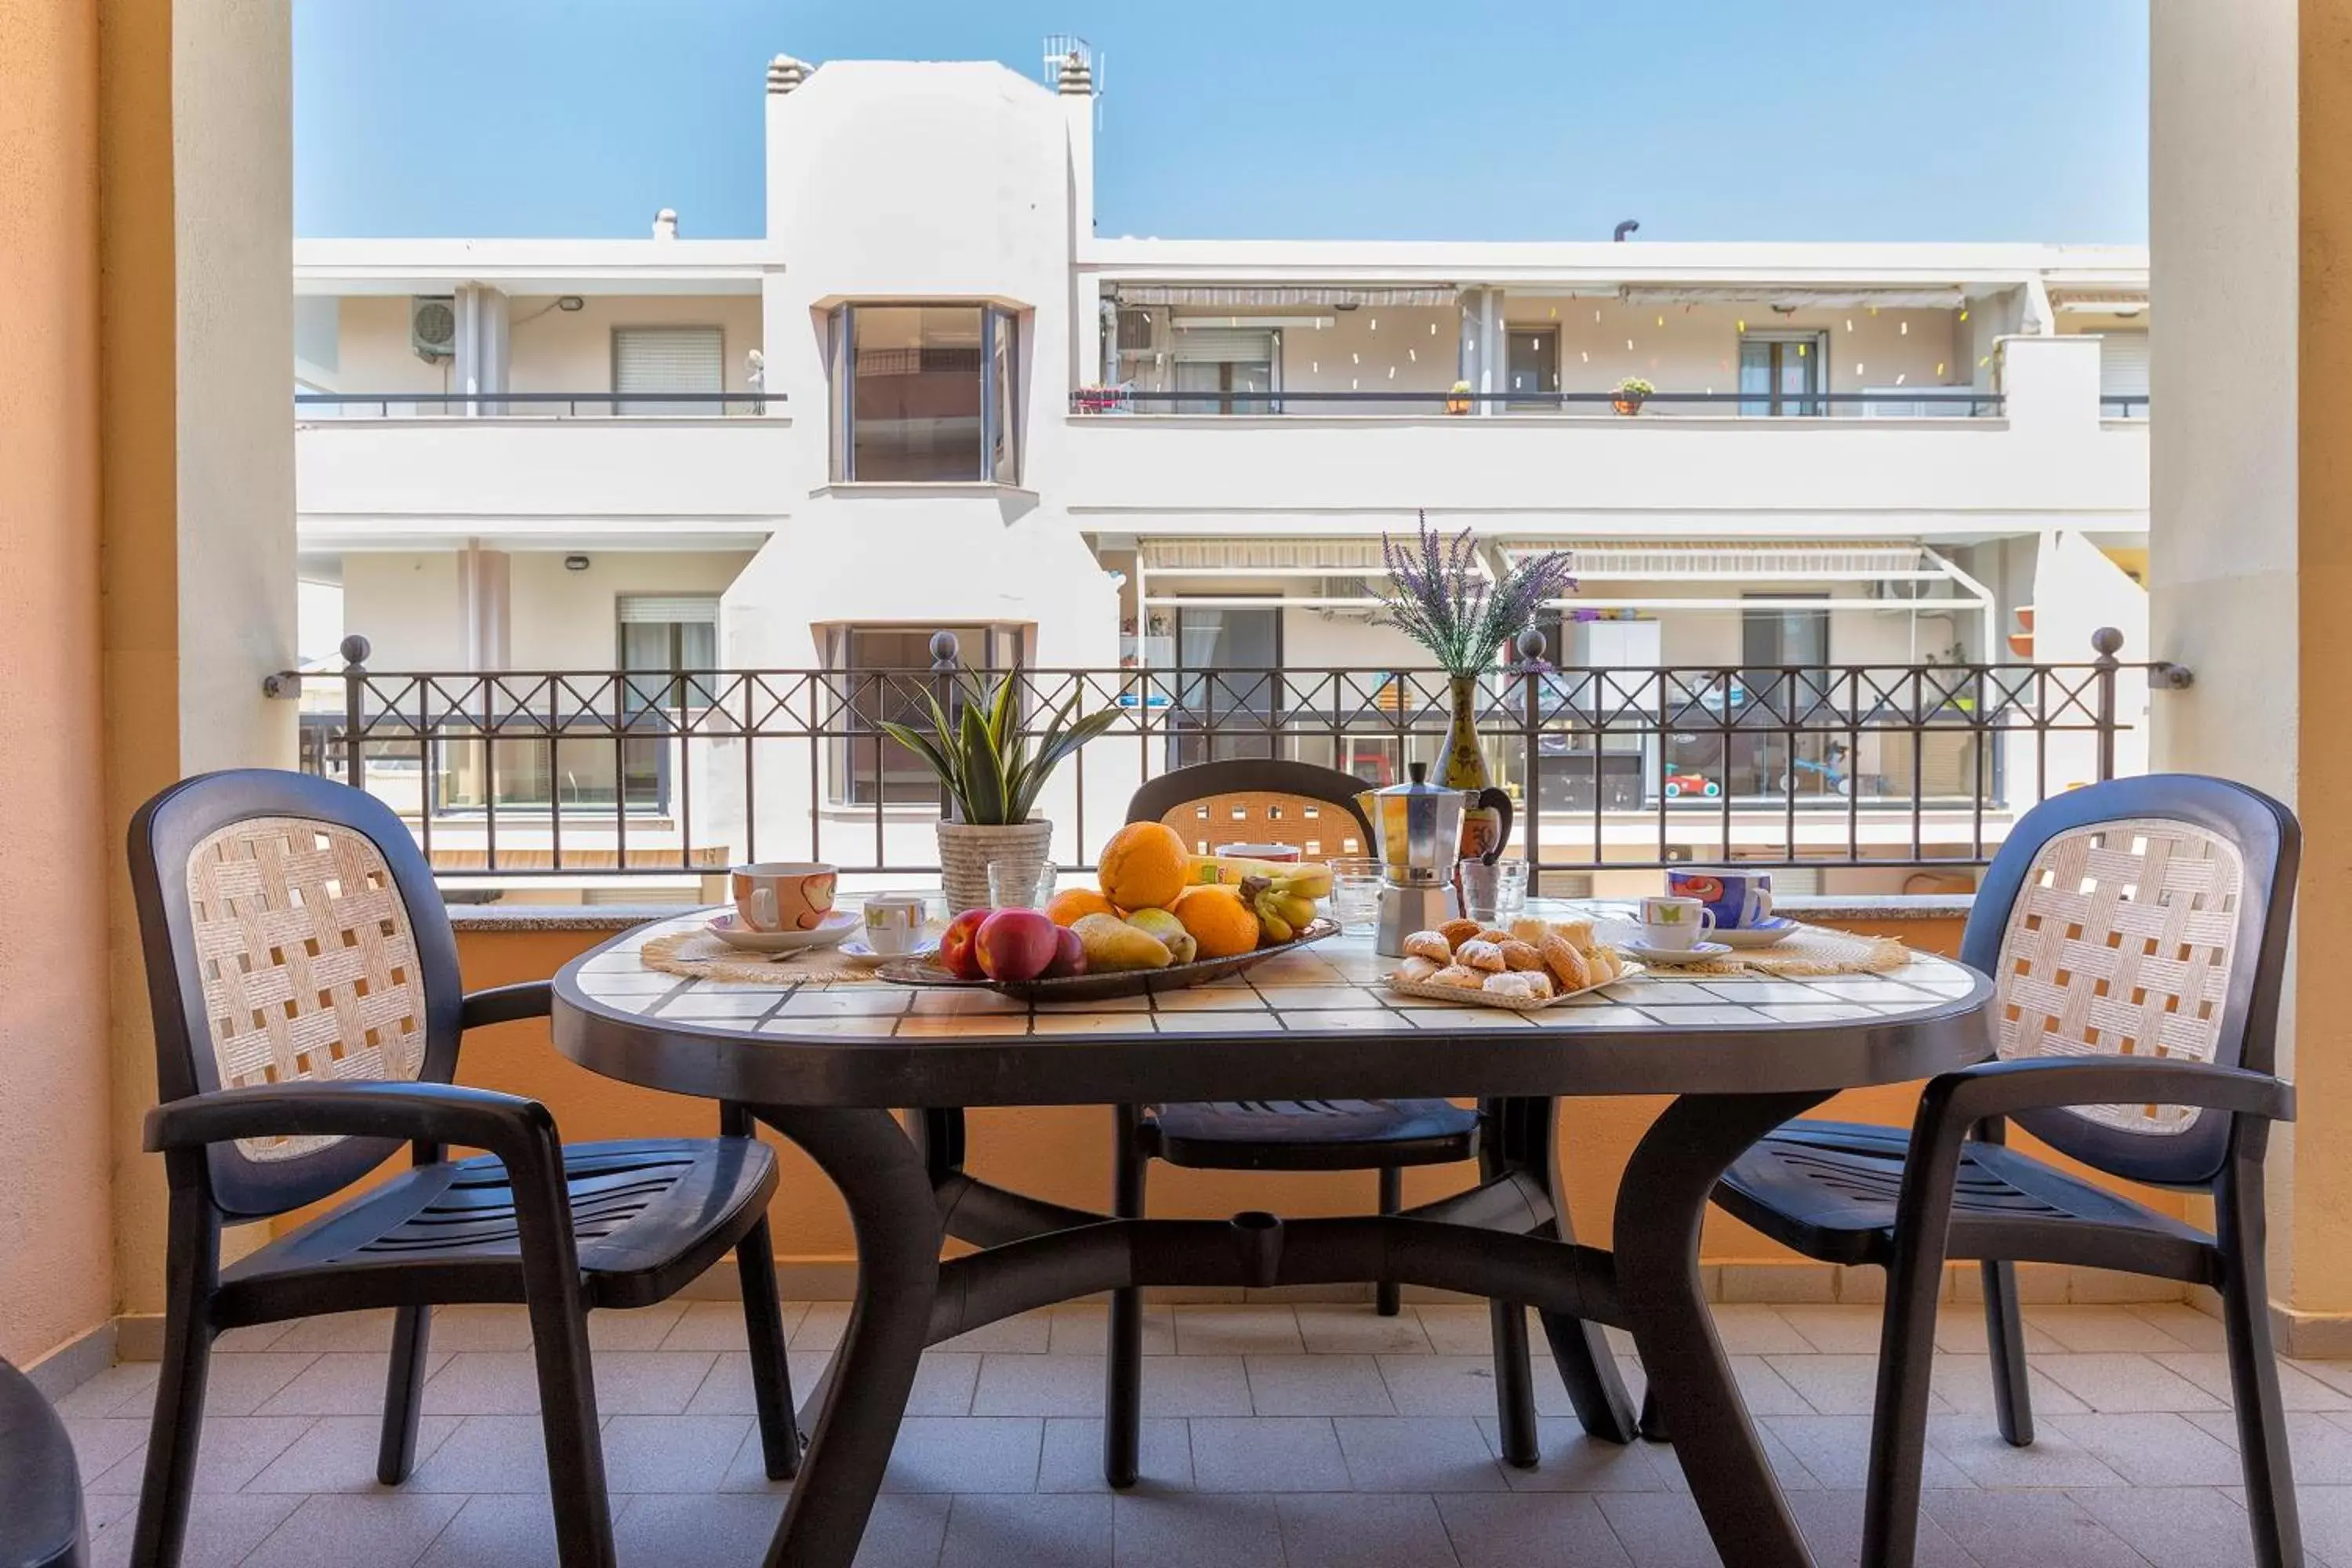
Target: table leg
[
  {"x": 1660, "y": 1206},
  {"x": 880, "y": 1177}
]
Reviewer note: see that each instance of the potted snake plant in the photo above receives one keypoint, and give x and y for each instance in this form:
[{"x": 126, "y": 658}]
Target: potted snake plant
[{"x": 992, "y": 775}]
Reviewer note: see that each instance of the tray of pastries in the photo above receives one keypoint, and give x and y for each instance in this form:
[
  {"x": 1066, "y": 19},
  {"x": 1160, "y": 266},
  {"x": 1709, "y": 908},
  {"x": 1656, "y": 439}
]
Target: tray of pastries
[{"x": 1528, "y": 965}]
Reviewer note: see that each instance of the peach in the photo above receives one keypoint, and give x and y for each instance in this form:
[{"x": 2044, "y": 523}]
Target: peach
[
  {"x": 956, "y": 954},
  {"x": 1069, "y": 955},
  {"x": 1017, "y": 944}
]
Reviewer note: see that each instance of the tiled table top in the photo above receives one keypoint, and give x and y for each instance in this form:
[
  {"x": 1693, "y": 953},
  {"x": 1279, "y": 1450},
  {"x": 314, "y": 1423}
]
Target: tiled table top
[{"x": 1333, "y": 986}]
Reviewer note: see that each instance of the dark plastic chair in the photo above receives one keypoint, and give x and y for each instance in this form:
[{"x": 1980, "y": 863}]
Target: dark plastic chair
[
  {"x": 1271, "y": 801},
  {"x": 41, "y": 1489},
  {"x": 308, "y": 1011},
  {"x": 2136, "y": 931}
]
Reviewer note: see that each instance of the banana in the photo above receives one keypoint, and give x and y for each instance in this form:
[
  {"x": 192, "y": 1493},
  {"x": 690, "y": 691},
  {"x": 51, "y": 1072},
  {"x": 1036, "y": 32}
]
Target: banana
[
  {"x": 1309, "y": 880},
  {"x": 1294, "y": 910}
]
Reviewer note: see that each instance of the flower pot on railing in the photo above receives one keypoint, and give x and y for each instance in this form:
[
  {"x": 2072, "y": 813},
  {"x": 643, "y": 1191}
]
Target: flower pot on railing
[
  {"x": 1458, "y": 400},
  {"x": 966, "y": 848},
  {"x": 1630, "y": 393}
]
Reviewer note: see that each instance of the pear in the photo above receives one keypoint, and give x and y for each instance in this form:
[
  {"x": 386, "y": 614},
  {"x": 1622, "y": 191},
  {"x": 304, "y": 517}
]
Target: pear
[
  {"x": 1179, "y": 943},
  {"x": 1112, "y": 945}
]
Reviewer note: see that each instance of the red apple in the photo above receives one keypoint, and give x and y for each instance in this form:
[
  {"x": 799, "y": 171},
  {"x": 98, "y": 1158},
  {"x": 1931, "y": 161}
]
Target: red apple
[
  {"x": 1069, "y": 956},
  {"x": 1017, "y": 944},
  {"x": 956, "y": 954}
]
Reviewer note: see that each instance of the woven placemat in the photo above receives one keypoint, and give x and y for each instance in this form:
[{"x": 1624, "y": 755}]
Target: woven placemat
[
  {"x": 698, "y": 955},
  {"x": 1812, "y": 952}
]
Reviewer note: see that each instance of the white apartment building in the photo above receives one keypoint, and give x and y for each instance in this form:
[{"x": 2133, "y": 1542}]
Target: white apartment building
[{"x": 933, "y": 396}]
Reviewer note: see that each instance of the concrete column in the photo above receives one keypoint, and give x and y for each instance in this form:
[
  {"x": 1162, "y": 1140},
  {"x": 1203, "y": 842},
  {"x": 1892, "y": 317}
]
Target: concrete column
[
  {"x": 2250, "y": 199},
  {"x": 196, "y": 190},
  {"x": 484, "y": 602},
  {"x": 478, "y": 367}
]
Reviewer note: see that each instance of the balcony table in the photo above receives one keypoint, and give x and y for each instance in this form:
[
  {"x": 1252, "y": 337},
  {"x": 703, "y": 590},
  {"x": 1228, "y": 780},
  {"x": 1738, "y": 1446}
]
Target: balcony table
[{"x": 827, "y": 1066}]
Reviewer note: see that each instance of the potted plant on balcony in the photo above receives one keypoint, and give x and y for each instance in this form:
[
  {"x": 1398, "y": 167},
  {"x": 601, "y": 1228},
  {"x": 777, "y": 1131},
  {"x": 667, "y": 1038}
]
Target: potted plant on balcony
[
  {"x": 1458, "y": 400},
  {"x": 1631, "y": 391},
  {"x": 991, "y": 776}
]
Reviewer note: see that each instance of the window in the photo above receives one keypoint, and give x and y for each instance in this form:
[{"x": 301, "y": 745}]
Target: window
[
  {"x": 1236, "y": 709},
  {"x": 1780, "y": 373},
  {"x": 668, "y": 360},
  {"x": 2122, "y": 375},
  {"x": 666, "y": 640},
  {"x": 926, "y": 394},
  {"x": 1768, "y": 759},
  {"x": 1237, "y": 365},
  {"x": 1531, "y": 362},
  {"x": 882, "y": 677}
]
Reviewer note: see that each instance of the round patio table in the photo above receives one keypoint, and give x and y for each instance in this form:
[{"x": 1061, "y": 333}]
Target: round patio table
[{"x": 827, "y": 1065}]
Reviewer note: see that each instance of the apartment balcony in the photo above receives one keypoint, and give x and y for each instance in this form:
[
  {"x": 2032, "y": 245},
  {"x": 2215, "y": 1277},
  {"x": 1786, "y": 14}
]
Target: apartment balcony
[
  {"x": 573, "y": 468},
  {"x": 2045, "y": 448}
]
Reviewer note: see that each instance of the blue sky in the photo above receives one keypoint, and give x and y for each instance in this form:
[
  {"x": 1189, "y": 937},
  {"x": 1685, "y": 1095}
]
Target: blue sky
[{"x": 1834, "y": 120}]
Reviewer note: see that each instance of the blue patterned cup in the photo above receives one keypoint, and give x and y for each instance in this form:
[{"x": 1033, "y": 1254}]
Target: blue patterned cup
[{"x": 1740, "y": 900}]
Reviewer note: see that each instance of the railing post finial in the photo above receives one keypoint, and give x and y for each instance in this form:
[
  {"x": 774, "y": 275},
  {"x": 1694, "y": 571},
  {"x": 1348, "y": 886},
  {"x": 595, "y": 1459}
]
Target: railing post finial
[
  {"x": 943, "y": 652},
  {"x": 356, "y": 648},
  {"x": 2107, "y": 642}
]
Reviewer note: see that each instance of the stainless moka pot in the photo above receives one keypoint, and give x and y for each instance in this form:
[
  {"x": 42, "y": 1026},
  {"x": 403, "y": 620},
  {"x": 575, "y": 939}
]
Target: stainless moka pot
[{"x": 1417, "y": 834}]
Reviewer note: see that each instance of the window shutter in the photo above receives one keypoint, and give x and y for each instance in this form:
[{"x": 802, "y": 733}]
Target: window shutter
[
  {"x": 668, "y": 360},
  {"x": 1224, "y": 347},
  {"x": 2123, "y": 364},
  {"x": 663, "y": 609}
]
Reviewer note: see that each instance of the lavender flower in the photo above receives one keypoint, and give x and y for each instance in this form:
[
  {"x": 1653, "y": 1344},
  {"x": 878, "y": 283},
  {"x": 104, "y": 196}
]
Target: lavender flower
[{"x": 1442, "y": 601}]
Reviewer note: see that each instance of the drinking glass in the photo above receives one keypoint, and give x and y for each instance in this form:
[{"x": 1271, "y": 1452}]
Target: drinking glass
[
  {"x": 1491, "y": 894},
  {"x": 1510, "y": 889},
  {"x": 1355, "y": 891},
  {"x": 1020, "y": 884}
]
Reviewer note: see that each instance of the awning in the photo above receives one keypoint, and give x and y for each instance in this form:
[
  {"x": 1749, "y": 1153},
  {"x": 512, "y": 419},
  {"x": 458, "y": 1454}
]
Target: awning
[
  {"x": 1274, "y": 297},
  {"x": 1262, "y": 557},
  {"x": 1714, "y": 561},
  {"x": 2101, "y": 301},
  {"x": 1794, "y": 297}
]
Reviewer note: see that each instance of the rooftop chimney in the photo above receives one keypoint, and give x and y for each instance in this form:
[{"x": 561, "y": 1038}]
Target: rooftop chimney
[
  {"x": 1076, "y": 77},
  {"x": 666, "y": 224},
  {"x": 785, "y": 73}
]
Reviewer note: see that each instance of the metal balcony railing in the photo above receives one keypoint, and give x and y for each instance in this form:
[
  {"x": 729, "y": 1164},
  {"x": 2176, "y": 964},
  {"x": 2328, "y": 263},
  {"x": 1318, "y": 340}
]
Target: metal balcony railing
[
  {"x": 1926, "y": 403},
  {"x": 567, "y": 773},
  {"x": 530, "y": 404}
]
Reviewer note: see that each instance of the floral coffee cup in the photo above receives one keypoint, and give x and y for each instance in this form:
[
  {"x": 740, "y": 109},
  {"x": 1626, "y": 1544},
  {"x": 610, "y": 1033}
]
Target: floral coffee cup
[{"x": 783, "y": 895}]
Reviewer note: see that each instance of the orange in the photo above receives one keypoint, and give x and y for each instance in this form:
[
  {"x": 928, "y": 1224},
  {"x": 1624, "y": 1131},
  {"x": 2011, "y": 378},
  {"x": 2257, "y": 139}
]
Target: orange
[
  {"x": 1071, "y": 905},
  {"x": 1144, "y": 866},
  {"x": 1219, "y": 919}
]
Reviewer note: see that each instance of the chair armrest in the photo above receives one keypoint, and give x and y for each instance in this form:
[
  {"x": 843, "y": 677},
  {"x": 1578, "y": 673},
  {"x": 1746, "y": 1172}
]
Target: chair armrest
[
  {"x": 2004, "y": 1089},
  {"x": 505, "y": 1003},
  {"x": 520, "y": 1132}
]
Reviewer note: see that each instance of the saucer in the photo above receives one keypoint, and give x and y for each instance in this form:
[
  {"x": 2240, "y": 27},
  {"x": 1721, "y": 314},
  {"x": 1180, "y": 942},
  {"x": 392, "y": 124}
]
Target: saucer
[
  {"x": 856, "y": 952},
  {"x": 829, "y": 931},
  {"x": 1779, "y": 929},
  {"x": 1696, "y": 952}
]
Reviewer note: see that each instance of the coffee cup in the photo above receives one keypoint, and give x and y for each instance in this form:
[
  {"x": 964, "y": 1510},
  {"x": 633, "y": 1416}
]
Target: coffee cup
[
  {"x": 1674, "y": 924},
  {"x": 894, "y": 922},
  {"x": 1740, "y": 900},
  {"x": 783, "y": 895}
]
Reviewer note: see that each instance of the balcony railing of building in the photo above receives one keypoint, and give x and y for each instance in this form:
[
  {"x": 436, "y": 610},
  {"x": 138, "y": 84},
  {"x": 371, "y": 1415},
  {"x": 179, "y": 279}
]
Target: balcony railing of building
[
  {"x": 592, "y": 773},
  {"x": 1892, "y": 403},
  {"x": 2130, "y": 407},
  {"x": 532, "y": 405}
]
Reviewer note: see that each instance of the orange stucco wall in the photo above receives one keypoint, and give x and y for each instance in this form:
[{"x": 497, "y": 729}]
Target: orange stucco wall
[
  {"x": 55, "y": 1279},
  {"x": 1063, "y": 1153}
]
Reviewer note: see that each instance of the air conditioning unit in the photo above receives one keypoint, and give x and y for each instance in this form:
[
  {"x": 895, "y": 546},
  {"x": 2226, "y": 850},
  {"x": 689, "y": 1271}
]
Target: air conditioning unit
[
  {"x": 1904, "y": 588},
  {"x": 432, "y": 326},
  {"x": 1134, "y": 331}
]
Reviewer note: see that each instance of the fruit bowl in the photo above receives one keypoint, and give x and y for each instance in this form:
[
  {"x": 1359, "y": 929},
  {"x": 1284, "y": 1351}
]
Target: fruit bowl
[{"x": 1105, "y": 986}]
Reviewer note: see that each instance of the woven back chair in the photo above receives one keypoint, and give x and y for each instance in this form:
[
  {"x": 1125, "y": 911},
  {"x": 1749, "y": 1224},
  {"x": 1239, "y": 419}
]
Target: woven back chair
[
  {"x": 1258, "y": 800},
  {"x": 308, "y": 1010},
  {"x": 289, "y": 947},
  {"x": 1268, "y": 801},
  {"x": 2136, "y": 933}
]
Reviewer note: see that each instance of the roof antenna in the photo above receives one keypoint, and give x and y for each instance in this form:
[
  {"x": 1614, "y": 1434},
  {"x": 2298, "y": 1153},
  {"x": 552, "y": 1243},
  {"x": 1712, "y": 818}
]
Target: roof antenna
[{"x": 1627, "y": 227}]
